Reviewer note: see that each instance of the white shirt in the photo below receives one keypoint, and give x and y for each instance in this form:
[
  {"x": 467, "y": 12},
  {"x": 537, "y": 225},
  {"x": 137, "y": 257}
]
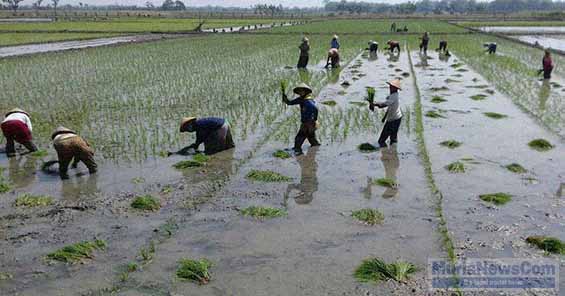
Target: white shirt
[
  {"x": 393, "y": 107},
  {"x": 21, "y": 117}
]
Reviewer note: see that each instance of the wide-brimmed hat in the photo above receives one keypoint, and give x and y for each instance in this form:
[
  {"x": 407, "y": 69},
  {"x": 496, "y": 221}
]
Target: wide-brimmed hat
[
  {"x": 395, "y": 83},
  {"x": 302, "y": 86},
  {"x": 335, "y": 37},
  {"x": 305, "y": 39},
  {"x": 17, "y": 110},
  {"x": 185, "y": 121},
  {"x": 547, "y": 50},
  {"x": 61, "y": 130}
]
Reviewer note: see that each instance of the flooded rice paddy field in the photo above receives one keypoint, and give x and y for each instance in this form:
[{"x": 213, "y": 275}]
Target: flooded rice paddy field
[
  {"x": 549, "y": 41},
  {"x": 316, "y": 246}
]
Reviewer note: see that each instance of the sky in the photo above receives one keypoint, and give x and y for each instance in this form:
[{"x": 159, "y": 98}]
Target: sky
[{"x": 239, "y": 3}]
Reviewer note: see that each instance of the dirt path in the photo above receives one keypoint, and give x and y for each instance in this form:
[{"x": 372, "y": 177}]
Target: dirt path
[{"x": 481, "y": 229}]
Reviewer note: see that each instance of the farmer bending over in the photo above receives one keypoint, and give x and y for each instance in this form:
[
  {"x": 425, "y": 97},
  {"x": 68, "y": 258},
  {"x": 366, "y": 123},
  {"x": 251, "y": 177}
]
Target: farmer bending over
[
  {"x": 214, "y": 132},
  {"x": 308, "y": 117},
  {"x": 335, "y": 42},
  {"x": 304, "y": 53},
  {"x": 491, "y": 47},
  {"x": 547, "y": 63},
  {"x": 71, "y": 147},
  {"x": 392, "y": 45},
  {"x": 333, "y": 58},
  {"x": 373, "y": 47},
  {"x": 393, "y": 115},
  {"x": 17, "y": 127},
  {"x": 442, "y": 46}
]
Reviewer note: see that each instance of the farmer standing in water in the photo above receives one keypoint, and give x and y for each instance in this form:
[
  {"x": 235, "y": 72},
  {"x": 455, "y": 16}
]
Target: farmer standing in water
[
  {"x": 308, "y": 116},
  {"x": 547, "y": 64},
  {"x": 17, "y": 127},
  {"x": 424, "y": 43},
  {"x": 304, "y": 53},
  {"x": 393, "y": 115},
  {"x": 214, "y": 132},
  {"x": 71, "y": 147}
]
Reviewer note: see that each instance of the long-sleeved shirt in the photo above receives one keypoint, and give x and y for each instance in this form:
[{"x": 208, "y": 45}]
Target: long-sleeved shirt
[
  {"x": 547, "y": 63},
  {"x": 21, "y": 117},
  {"x": 393, "y": 111},
  {"x": 304, "y": 49},
  {"x": 334, "y": 44},
  {"x": 308, "y": 109},
  {"x": 61, "y": 137},
  {"x": 206, "y": 126}
]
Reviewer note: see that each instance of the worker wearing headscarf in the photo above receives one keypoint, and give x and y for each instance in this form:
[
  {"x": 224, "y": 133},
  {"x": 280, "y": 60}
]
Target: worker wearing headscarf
[
  {"x": 393, "y": 45},
  {"x": 547, "y": 64},
  {"x": 308, "y": 116},
  {"x": 71, "y": 147},
  {"x": 333, "y": 58},
  {"x": 304, "y": 53},
  {"x": 214, "y": 132},
  {"x": 393, "y": 115},
  {"x": 17, "y": 127}
]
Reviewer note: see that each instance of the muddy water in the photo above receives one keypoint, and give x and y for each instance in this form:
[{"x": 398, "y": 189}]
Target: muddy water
[
  {"x": 312, "y": 251},
  {"x": 481, "y": 229},
  {"x": 554, "y": 42},
  {"x": 524, "y": 30}
]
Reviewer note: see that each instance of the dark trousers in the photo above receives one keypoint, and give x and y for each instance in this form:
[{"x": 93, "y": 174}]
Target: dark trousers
[
  {"x": 11, "y": 149},
  {"x": 307, "y": 131},
  {"x": 74, "y": 150},
  {"x": 547, "y": 74},
  {"x": 392, "y": 48},
  {"x": 302, "y": 62},
  {"x": 442, "y": 46},
  {"x": 390, "y": 130}
]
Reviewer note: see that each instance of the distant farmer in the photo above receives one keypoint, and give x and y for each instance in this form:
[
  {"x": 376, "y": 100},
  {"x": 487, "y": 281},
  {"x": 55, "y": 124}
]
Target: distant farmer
[
  {"x": 304, "y": 53},
  {"x": 214, "y": 132},
  {"x": 71, "y": 147},
  {"x": 333, "y": 58},
  {"x": 373, "y": 47},
  {"x": 392, "y": 45},
  {"x": 405, "y": 29},
  {"x": 442, "y": 46},
  {"x": 491, "y": 47},
  {"x": 393, "y": 27},
  {"x": 335, "y": 42},
  {"x": 393, "y": 115},
  {"x": 424, "y": 44},
  {"x": 308, "y": 116},
  {"x": 17, "y": 127},
  {"x": 548, "y": 66}
]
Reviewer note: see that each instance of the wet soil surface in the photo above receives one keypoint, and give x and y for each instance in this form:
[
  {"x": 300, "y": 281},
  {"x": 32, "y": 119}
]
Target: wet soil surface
[{"x": 552, "y": 41}]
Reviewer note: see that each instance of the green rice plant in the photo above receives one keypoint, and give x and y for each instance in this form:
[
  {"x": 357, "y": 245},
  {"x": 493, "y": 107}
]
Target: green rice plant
[
  {"x": 284, "y": 86},
  {"x": 146, "y": 203},
  {"x": 367, "y": 148},
  {"x": 194, "y": 270},
  {"x": 376, "y": 270},
  {"x": 548, "y": 244},
  {"x": 5, "y": 276},
  {"x": 456, "y": 167},
  {"x": 146, "y": 254},
  {"x": 202, "y": 158},
  {"x": 77, "y": 252},
  {"x": 478, "y": 97},
  {"x": 132, "y": 267},
  {"x": 371, "y": 91},
  {"x": 438, "y": 99},
  {"x": 29, "y": 201},
  {"x": 369, "y": 216},
  {"x": 490, "y": 91},
  {"x": 267, "y": 176},
  {"x": 498, "y": 198},
  {"x": 281, "y": 154},
  {"x": 451, "y": 144},
  {"x": 457, "y": 65},
  {"x": 434, "y": 114},
  {"x": 541, "y": 145},
  {"x": 516, "y": 168},
  {"x": 330, "y": 103},
  {"x": 386, "y": 182},
  {"x": 197, "y": 160},
  {"x": 138, "y": 180},
  {"x": 462, "y": 70},
  {"x": 495, "y": 115},
  {"x": 39, "y": 153},
  {"x": 442, "y": 88},
  {"x": 359, "y": 104},
  {"x": 262, "y": 212},
  {"x": 4, "y": 187}
]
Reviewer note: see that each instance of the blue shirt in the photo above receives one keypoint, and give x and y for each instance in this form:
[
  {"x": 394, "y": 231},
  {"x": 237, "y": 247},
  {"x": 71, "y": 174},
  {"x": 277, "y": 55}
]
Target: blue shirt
[
  {"x": 335, "y": 44},
  {"x": 206, "y": 126},
  {"x": 308, "y": 109}
]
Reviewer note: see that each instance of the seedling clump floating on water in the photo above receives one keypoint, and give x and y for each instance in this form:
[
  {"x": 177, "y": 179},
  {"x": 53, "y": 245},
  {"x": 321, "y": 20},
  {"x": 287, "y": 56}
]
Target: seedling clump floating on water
[
  {"x": 4, "y": 187},
  {"x": 436, "y": 89},
  {"x": 438, "y": 99},
  {"x": 451, "y": 144},
  {"x": 39, "y": 153},
  {"x": 479, "y": 97},
  {"x": 457, "y": 65},
  {"x": 456, "y": 167},
  {"x": 540, "y": 145},
  {"x": 495, "y": 115},
  {"x": 146, "y": 203},
  {"x": 360, "y": 104},
  {"x": 281, "y": 154},
  {"x": 194, "y": 270},
  {"x": 369, "y": 216},
  {"x": 376, "y": 270},
  {"x": 386, "y": 182},
  {"x": 28, "y": 200},
  {"x": 516, "y": 168},
  {"x": 548, "y": 244},
  {"x": 498, "y": 198},
  {"x": 77, "y": 252},
  {"x": 262, "y": 212},
  {"x": 197, "y": 160},
  {"x": 434, "y": 114},
  {"x": 330, "y": 103},
  {"x": 267, "y": 176},
  {"x": 367, "y": 148}
]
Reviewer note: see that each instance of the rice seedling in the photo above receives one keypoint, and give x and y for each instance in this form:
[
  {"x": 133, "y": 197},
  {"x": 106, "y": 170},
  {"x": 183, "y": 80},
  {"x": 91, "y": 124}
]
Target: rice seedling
[
  {"x": 478, "y": 97},
  {"x": 462, "y": 70},
  {"x": 197, "y": 160},
  {"x": 449, "y": 80},
  {"x": 146, "y": 254},
  {"x": 451, "y": 144},
  {"x": 29, "y": 201},
  {"x": 132, "y": 267},
  {"x": 386, "y": 182},
  {"x": 376, "y": 270},
  {"x": 284, "y": 86},
  {"x": 330, "y": 103},
  {"x": 281, "y": 154},
  {"x": 4, "y": 187},
  {"x": 457, "y": 65},
  {"x": 267, "y": 176},
  {"x": 138, "y": 180},
  {"x": 541, "y": 145},
  {"x": 516, "y": 168},
  {"x": 194, "y": 270},
  {"x": 77, "y": 252},
  {"x": 434, "y": 114},
  {"x": 498, "y": 198},
  {"x": 438, "y": 99},
  {"x": 39, "y": 153},
  {"x": 369, "y": 216},
  {"x": 437, "y": 89},
  {"x": 548, "y": 244},
  {"x": 370, "y": 95},
  {"x": 495, "y": 115},
  {"x": 5, "y": 276},
  {"x": 262, "y": 212},
  {"x": 456, "y": 167},
  {"x": 358, "y": 104},
  {"x": 367, "y": 148},
  {"x": 146, "y": 203}
]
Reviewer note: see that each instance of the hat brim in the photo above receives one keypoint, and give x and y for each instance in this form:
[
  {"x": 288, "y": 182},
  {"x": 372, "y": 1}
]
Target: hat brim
[
  {"x": 12, "y": 112},
  {"x": 60, "y": 133},
  {"x": 185, "y": 123},
  {"x": 395, "y": 86},
  {"x": 297, "y": 89}
]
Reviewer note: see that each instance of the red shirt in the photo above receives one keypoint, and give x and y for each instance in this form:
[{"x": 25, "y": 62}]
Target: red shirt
[{"x": 547, "y": 63}]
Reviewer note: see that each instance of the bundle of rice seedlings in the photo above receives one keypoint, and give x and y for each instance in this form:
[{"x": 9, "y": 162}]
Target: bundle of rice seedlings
[
  {"x": 386, "y": 182},
  {"x": 540, "y": 145},
  {"x": 376, "y": 270},
  {"x": 456, "y": 167},
  {"x": 369, "y": 216},
  {"x": 262, "y": 212},
  {"x": 77, "y": 252},
  {"x": 548, "y": 244},
  {"x": 436, "y": 89},
  {"x": 39, "y": 153},
  {"x": 457, "y": 65},
  {"x": 28, "y": 200},
  {"x": 197, "y": 160},
  {"x": 4, "y": 187},
  {"x": 284, "y": 85},
  {"x": 194, "y": 270},
  {"x": 478, "y": 97},
  {"x": 370, "y": 95},
  {"x": 146, "y": 203},
  {"x": 434, "y": 114},
  {"x": 451, "y": 144},
  {"x": 267, "y": 176},
  {"x": 367, "y": 148},
  {"x": 498, "y": 198},
  {"x": 495, "y": 115},
  {"x": 438, "y": 99},
  {"x": 516, "y": 168},
  {"x": 330, "y": 103},
  {"x": 360, "y": 104},
  {"x": 281, "y": 154}
]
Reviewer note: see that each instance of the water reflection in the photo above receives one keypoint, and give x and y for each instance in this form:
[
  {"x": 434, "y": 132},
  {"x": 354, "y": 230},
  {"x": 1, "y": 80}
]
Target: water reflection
[
  {"x": 22, "y": 173},
  {"x": 391, "y": 163},
  {"x": 83, "y": 186},
  {"x": 393, "y": 57},
  {"x": 333, "y": 75},
  {"x": 373, "y": 56},
  {"x": 545, "y": 91},
  {"x": 444, "y": 57},
  {"x": 305, "y": 76},
  {"x": 308, "y": 179}
]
